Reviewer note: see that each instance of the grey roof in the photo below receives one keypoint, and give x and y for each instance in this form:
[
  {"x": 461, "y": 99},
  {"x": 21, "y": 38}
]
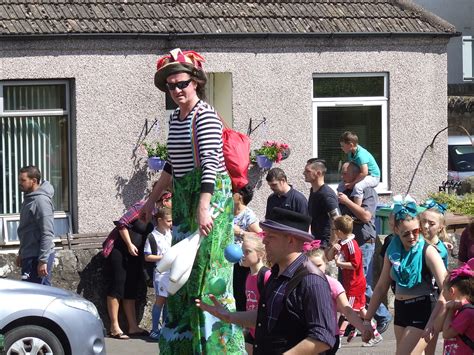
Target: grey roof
[{"x": 218, "y": 17}]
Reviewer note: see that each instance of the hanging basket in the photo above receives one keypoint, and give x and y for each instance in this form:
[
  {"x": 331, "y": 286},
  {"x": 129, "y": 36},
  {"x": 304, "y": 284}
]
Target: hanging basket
[
  {"x": 263, "y": 162},
  {"x": 155, "y": 163}
]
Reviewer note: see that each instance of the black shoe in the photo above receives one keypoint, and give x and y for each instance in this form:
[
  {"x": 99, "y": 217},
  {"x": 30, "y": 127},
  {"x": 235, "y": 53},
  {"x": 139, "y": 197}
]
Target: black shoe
[
  {"x": 382, "y": 327},
  {"x": 349, "y": 329}
]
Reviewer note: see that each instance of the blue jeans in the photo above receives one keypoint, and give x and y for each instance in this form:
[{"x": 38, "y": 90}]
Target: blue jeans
[
  {"x": 382, "y": 315},
  {"x": 29, "y": 270}
]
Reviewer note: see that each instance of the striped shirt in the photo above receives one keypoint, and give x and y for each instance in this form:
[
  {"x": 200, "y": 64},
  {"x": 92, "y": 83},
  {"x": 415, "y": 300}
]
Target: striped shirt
[{"x": 209, "y": 142}]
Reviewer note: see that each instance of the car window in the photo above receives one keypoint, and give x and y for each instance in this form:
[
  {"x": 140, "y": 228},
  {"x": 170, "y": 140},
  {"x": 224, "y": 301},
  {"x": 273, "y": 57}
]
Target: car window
[{"x": 461, "y": 157}]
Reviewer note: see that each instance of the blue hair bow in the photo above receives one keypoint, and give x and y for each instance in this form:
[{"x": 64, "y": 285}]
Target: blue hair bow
[
  {"x": 402, "y": 210},
  {"x": 441, "y": 207}
]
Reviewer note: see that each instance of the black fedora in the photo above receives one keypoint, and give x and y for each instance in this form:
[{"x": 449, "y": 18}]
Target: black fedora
[{"x": 288, "y": 222}]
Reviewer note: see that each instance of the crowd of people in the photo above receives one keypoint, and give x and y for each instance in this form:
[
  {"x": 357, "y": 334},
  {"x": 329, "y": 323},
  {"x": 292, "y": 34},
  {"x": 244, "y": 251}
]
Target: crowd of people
[{"x": 277, "y": 299}]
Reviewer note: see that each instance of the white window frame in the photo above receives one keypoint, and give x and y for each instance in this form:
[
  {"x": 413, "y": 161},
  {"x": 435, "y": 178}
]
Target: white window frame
[
  {"x": 381, "y": 101},
  {"x": 4, "y": 218},
  {"x": 467, "y": 58}
]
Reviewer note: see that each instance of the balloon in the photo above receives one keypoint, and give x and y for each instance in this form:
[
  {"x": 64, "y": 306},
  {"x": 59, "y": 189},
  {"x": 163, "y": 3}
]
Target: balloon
[
  {"x": 216, "y": 286},
  {"x": 233, "y": 253}
]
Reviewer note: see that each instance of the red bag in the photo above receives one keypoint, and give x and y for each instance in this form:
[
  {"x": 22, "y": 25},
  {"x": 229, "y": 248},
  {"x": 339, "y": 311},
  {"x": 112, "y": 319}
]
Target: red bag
[{"x": 236, "y": 151}]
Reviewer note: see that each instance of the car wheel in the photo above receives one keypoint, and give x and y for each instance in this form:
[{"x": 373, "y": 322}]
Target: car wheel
[{"x": 32, "y": 339}]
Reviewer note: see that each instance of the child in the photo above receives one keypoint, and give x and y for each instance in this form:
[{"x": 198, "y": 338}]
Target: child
[
  {"x": 165, "y": 199},
  {"x": 458, "y": 327},
  {"x": 339, "y": 298},
  {"x": 254, "y": 258},
  {"x": 162, "y": 237},
  {"x": 369, "y": 170},
  {"x": 434, "y": 228},
  {"x": 348, "y": 258}
]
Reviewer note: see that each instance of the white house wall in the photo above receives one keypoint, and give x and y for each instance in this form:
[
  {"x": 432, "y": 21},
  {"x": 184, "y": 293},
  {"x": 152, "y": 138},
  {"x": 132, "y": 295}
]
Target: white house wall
[{"x": 113, "y": 95}]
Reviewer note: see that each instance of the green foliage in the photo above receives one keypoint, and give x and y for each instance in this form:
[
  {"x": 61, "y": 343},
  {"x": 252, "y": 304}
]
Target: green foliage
[
  {"x": 156, "y": 150},
  {"x": 456, "y": 204}
]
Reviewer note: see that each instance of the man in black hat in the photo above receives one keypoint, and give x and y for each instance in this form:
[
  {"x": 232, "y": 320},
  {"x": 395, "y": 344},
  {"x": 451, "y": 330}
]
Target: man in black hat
[{"x": 295, "y": 311}]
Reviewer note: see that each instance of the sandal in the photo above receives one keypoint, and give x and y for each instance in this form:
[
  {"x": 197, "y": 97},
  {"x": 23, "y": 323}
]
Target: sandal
[{"x": 120, "y": 336}]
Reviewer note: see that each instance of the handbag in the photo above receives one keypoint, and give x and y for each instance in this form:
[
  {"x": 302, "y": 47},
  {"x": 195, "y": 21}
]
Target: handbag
[{"x": 236, "y": 151}]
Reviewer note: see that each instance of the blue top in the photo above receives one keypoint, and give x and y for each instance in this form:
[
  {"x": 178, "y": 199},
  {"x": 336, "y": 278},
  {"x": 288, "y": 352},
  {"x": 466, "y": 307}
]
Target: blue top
[
  {"x": 361, "y": 157},
  {"x": 293, "y": 200},
  {"x": 245, "y": 219}
]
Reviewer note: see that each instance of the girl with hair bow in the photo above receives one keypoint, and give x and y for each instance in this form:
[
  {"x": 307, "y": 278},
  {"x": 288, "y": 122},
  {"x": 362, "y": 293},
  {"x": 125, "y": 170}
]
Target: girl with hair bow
[
  {"x": 411, "y": 263},
  {"x": 458, "y": 327},
  {"x": 434, "y": 228}
]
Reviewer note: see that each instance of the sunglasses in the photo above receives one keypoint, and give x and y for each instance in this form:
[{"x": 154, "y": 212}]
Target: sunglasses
[
  {"x": 180, "y": 85},
  {"x": 414, "y": 232}
]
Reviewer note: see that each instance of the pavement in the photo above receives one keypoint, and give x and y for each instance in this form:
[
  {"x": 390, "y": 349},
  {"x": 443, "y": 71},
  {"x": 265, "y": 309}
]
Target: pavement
[{"x": 143, "y": 346}]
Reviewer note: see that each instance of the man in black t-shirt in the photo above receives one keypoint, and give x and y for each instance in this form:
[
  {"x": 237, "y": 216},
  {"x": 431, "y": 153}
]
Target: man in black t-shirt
[
  {"x": 284, "y": 195},
  {"x": 322, "y": 202}
]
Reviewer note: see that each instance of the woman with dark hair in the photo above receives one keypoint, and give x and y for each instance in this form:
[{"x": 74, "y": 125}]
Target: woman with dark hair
[
  {"x": 245, "y": 222},
  {"x": 197, "y": 172},
  {"x": 124, "y": 271}
]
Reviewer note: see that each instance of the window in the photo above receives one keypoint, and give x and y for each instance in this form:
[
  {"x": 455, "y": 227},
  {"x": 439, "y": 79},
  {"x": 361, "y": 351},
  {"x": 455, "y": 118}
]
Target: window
[
  {"x": 467, "y": 58},
  {"x": 34, "y": 121},
  {"x": 350, "y": 102},
  {"x": 218, "y": 94}
]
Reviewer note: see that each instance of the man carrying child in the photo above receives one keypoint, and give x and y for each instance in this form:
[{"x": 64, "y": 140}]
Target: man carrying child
[{"x": 369, "y": 175}]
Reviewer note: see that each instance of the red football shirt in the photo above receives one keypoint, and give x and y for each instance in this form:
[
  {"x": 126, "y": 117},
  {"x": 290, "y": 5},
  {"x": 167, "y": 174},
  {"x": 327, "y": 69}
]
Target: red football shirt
[{"x": 352, "y": 280}]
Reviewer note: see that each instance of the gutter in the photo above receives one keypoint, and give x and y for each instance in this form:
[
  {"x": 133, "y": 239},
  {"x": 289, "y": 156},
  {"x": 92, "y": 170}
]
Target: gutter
[{"x": 237, "y": 35}]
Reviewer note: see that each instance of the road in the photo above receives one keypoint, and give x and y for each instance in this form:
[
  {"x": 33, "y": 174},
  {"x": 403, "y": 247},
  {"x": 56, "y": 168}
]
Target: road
[{"x": 145, "y": 347}]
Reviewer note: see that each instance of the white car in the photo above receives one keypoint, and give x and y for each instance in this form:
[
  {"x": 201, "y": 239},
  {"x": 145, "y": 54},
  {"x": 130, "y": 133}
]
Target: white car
[
  {"x": 460, "y": 157},
  {"x": 37, "y": 320}
]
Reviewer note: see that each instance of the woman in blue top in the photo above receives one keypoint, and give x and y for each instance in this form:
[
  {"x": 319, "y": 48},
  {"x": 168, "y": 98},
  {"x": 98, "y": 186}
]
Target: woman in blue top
[{"x": 411, "y": 263}]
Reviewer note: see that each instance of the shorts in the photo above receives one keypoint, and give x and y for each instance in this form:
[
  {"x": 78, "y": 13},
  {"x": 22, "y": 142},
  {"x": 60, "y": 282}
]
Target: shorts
[
  {"x": 414, "y": 312},
  {"x": 357, "y": 302},
  {"x": 160, "y": 283}
]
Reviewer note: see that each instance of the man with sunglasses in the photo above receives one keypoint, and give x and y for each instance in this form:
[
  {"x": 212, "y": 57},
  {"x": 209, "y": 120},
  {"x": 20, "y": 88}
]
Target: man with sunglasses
[
  {"x": 196, "y": 170},
  {"x": 365, "y": 233}
]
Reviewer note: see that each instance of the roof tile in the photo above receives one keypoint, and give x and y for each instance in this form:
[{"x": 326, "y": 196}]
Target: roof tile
[{"x": 217, "y": 17}]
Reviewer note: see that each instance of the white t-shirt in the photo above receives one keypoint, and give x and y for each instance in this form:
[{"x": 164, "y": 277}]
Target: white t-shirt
[{"x": 163, "y": 242}]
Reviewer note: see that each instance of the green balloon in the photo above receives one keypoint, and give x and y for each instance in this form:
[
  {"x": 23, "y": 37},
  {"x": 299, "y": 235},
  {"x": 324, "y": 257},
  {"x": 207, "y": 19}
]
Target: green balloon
[{"x": 217, "y": 286}]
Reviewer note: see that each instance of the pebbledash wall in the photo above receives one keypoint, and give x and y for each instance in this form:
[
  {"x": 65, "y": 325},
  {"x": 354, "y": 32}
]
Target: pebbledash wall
[{"x": 113, "y": 96}]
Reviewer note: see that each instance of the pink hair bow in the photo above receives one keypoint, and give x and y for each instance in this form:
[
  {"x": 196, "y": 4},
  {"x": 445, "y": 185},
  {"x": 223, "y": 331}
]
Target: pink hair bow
[
  {"x": 261, "y": 235},
  {"x": 315, "y": 244},
  {"x": 464, "y": 270}
]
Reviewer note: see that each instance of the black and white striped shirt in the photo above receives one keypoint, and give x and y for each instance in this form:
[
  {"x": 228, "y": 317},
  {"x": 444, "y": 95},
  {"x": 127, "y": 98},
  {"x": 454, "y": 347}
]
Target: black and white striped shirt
[{"x": 209, "y": 142}]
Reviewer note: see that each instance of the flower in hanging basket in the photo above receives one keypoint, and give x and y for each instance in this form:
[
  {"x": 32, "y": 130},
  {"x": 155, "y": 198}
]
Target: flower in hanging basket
[
  {"x": 274, "y": 151},
  {"x": 156, "y": 150},
  {"x": 157, "y": 154}
]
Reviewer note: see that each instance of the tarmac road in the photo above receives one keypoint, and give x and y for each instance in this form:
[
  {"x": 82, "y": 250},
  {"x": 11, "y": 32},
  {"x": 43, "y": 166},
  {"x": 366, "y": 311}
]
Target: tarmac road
[{"x": 143, "y": 346}]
